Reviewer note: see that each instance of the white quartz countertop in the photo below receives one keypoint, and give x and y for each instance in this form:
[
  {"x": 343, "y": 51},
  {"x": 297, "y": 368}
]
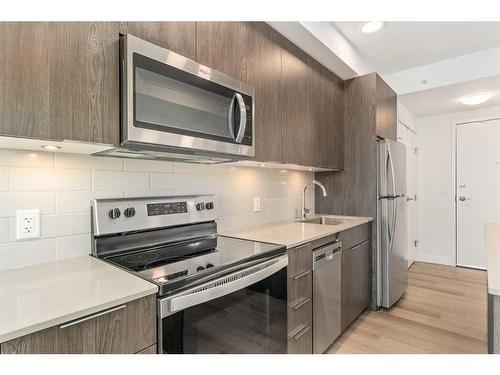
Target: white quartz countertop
[
  {"x": 292, "y": 233},
  {"x": 37, "y": 297},
  {"x": 492, "y": 239}
]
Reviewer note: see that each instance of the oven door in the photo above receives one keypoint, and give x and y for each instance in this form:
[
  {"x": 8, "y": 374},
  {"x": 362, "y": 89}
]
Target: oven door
[
  {"x": 171, "y": 101},
  {"x": 244, "y": 312}
]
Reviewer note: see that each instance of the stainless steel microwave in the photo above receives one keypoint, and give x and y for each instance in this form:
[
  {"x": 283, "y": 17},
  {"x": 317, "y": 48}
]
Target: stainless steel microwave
[{"x": 174, "y": 108}]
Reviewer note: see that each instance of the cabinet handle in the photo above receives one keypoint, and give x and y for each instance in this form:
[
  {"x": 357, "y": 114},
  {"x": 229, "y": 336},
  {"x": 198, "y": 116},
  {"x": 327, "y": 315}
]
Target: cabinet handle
[
  {"x": 301, "y": 275},
  {"x": 300, "y": 304},
  {"x": 302, "y": 333},
  {"x": 85, "y": 318}
]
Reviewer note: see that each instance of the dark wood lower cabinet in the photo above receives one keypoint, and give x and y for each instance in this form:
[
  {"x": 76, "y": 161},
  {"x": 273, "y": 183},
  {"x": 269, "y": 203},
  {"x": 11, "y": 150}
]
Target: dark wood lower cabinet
[
  {"x": 302, "y": 342},
  {"x": 356, "y": 282},
  {"x": 124, "y": 329}
]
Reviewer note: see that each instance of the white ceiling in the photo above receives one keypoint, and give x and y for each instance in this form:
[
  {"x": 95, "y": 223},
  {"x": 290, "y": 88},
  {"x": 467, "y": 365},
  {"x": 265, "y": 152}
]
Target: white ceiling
[
  {"x": 404, "y": 45},
  {"x": 445, "y": 99}
]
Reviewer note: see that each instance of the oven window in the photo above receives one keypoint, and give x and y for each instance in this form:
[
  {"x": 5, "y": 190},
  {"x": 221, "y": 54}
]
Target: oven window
[{"x": 252, "y": 320}]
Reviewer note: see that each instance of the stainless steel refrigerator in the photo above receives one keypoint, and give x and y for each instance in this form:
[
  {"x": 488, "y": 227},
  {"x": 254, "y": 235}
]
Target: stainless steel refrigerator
[{"x": 392, "y": 244}]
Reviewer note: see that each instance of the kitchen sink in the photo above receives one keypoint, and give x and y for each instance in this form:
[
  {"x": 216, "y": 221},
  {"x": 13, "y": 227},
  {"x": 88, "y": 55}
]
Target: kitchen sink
[{"x": 325, "y": 220}]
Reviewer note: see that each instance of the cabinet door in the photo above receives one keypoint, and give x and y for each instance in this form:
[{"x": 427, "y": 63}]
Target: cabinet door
[
  {"x": 84, "y": 81},
  {"x": 264, "y": 73},
  {"x": 25, "y": 79},
  {"x": 349, "y": 289},
  {"x": 296, "y": 132},
  {"x": 326, "y": 101},
  {"x": 126, "y": 329},
  {"x": 386, "y": 111},
  {"x": 365, "y": 282},
  {"x": 222, "y": 46},
  {"x": 178, "y": 37}
]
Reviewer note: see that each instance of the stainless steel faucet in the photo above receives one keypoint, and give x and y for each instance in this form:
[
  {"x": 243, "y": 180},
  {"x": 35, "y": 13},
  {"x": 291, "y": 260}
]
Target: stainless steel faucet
[{"x": 304, "y": 211}]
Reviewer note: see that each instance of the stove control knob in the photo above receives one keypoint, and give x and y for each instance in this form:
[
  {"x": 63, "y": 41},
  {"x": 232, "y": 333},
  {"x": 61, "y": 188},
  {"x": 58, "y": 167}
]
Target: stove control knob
[
  {"x": 200, "y": 206},
  {"x": 129, "y": 212},
  {"x": 209, "y": 205},
  {"x": 200, "y": 268},
  {"x": 114, "y": 213},
  {"x": 209, "y": 265}
]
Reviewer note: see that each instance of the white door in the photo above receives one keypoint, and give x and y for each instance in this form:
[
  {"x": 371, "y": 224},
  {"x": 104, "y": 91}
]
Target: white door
[
  {"x": 478, "y": 188},
  {"x": 409, "y": 139}
]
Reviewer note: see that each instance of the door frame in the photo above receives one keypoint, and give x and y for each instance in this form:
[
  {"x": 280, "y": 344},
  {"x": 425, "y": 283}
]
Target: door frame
[{"x": 454, "y": 127}]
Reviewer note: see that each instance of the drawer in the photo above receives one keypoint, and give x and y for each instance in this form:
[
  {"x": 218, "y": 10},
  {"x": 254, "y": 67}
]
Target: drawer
[
  {"x": 299, "y": 259},
  {"x": 302, "y": 342},
  {"x": 299, "y": 287},
  {"x": 124, "y": 329},
  {"x": 354, "y": 236},
  {"x": 299, "y": 316}
]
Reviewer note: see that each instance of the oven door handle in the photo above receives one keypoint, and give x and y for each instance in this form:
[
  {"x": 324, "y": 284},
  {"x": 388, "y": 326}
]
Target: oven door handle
[{"x": 222, "y": 286}]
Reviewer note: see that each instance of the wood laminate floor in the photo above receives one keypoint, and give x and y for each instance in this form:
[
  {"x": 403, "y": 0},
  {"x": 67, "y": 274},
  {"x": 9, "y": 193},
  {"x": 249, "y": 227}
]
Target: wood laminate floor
[{"x": 444, "y": 310}]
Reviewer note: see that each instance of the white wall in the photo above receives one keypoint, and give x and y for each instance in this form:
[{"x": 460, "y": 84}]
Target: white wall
[
  {"x": 436, "y": 187},
  {"x": 62, "y": 185},
  {"x": 409, "y": 139}
]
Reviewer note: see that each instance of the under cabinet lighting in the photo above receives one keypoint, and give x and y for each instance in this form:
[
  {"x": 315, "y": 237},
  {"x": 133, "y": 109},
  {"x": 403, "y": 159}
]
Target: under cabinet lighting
[{"x": 372, "y": 26}]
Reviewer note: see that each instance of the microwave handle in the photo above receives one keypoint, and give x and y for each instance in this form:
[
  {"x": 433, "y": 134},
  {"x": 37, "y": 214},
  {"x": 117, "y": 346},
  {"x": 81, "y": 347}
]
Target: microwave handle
[{"x": 243, "y": 118}]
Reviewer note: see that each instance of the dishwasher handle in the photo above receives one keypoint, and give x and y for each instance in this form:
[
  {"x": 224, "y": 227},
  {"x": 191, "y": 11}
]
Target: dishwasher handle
[{"x": 326, "y": 254}]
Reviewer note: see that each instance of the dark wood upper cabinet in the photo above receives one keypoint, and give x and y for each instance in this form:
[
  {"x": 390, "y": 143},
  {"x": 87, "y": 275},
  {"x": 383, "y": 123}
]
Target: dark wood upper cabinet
[
  {"x": 296, "y": 132},
  {"x": 178, "y": 37},
  {"x": 84, "y": 81},
  {"x": 25, "y": 79},
  {"x": 222, "y": 46},
  {"x": 264, "y": 73},
  {"x": 386, "y": 110},
  {"x": 60, "y": 81}
]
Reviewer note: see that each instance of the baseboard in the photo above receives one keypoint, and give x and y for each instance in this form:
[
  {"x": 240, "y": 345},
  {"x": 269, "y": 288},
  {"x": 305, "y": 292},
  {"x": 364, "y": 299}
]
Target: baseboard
[{"x": 430, "y": 258}]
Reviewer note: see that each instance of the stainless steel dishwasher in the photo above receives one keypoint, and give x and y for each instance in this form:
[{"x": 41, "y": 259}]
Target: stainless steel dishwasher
[{"x": 326, "y": 295}]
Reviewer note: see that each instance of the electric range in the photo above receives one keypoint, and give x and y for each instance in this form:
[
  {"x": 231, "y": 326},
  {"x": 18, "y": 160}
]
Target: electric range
[{"x": 208, "y": 284}]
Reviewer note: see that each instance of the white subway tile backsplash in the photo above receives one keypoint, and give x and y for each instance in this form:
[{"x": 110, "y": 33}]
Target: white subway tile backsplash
[
  {"x": 138, "y": 165},
  {"x": 63, "y": 185},
  {"x": 79, "y": 201},
  {"x": 110, "y": 180},
  {"x": 73, "y": 246},
  {"x": 4, "y": 179},
  {"x": 171, "y": 181},
  {"x": 20, "y": 254},
  {"x": 12, "y": 201},
  {"x": 20, "y": 158},
  {"x": 77, "y": 161},
  {"x": 48, "y": 179}
]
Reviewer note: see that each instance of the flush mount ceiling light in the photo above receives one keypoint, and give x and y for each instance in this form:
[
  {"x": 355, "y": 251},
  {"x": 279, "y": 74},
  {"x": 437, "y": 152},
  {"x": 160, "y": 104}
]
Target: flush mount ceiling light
[
  {"x": 372, "y": 26},
  {"x": 50, "y": 147},
  {"x": 475, "y": 99}
]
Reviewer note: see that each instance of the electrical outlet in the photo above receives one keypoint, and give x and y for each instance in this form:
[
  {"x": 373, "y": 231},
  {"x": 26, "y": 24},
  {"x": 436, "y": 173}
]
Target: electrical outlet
[
  {"x": 256, "y": 204},
  {"x": 27, "y": 224}
]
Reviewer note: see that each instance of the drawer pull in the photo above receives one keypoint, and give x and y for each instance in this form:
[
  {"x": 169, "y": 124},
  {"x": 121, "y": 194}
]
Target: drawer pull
[
  {"x": 85, "y": 318},
  {"x": 301, "y": 275},
  {"x": 300, "y": 304},
  {"x": 302, "y": 333}
]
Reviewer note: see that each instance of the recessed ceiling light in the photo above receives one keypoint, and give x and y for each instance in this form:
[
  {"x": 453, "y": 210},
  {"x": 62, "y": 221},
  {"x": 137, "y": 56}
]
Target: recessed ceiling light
[
  {"x": 475, "y": 99},
  {"x": 372, "y": 26},
  {"x": 50, "y": 147}
]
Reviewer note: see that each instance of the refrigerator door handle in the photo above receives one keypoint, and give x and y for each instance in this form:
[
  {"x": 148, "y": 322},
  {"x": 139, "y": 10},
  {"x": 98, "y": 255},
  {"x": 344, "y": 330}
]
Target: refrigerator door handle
[
  {"x": 394, "y": 220},
  {"x": 389, "y": 158}
]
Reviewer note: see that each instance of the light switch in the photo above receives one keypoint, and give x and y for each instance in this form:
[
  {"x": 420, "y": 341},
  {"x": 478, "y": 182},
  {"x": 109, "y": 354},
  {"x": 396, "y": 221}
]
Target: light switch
[
  {"x": 27, "y": 224},
  {"x": 256, "y": 204}
]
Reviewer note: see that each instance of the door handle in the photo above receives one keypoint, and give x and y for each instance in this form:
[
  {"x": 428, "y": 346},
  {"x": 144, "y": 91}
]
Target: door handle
[{"x": 462, "y": 199}]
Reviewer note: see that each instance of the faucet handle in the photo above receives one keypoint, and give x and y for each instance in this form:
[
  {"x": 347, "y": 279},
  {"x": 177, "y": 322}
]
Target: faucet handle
[{"x": 306, "y": 210}]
